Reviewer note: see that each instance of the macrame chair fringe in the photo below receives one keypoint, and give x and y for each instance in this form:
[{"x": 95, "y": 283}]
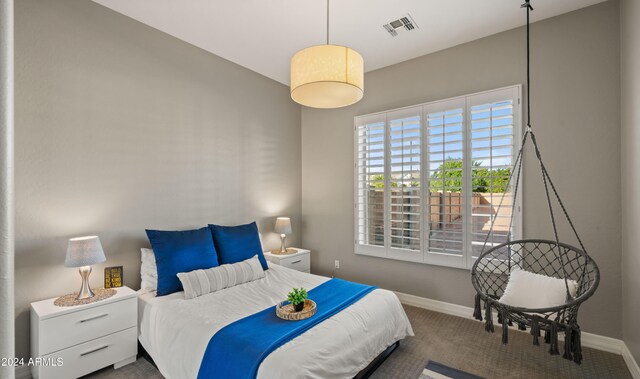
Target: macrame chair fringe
[
  {"x": 576, "y": 345},
  {"x": 572, "y": 348},
  {"x": 567, "y": 343},
  {"x": 535, "y": 331},
  {"x": 477, "y": 311},
  {"x": 505, "y": 328},
  {"x": 488, "y": 326},
  {"x": 553, "y": 345}
]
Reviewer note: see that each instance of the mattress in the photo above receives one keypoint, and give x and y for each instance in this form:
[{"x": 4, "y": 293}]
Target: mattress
[{"x": 175, "y": 331}]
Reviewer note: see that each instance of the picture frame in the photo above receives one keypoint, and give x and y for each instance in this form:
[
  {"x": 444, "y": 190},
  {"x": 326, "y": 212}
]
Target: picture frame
[{"x": 113, "y": 277}]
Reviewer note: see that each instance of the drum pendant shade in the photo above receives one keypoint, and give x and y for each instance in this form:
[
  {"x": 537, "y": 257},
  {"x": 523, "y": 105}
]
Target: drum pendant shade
[{"x": 327, "y": 76}]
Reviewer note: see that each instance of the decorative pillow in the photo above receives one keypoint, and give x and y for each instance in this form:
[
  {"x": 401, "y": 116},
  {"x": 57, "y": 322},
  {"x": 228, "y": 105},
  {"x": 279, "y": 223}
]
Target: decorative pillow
[
  {"x": 529, "y": 290},
  {"x": 148, "y": 270},
  {"x": 180, "y": 251},
  {"x": 201, "y": 282},
  {"x": 237, "y": 243}
]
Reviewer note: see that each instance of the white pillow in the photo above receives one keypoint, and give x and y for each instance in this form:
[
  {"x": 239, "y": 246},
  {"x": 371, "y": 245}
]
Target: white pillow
[
  {"x": 148, "y": 270},
  {"x": 201, "y": 282},
  {"x": 529, "y": 290}
]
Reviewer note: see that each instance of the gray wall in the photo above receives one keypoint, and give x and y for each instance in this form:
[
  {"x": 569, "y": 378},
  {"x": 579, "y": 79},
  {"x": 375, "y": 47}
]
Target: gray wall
[
  {"x": 630, "y": 81},
  {"x": 575, "y": 95},
  {"x": 120, "y": 128}
]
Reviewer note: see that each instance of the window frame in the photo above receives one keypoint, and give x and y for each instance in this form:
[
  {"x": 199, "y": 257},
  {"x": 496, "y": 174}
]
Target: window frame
[{"x": 466, "y": 259}]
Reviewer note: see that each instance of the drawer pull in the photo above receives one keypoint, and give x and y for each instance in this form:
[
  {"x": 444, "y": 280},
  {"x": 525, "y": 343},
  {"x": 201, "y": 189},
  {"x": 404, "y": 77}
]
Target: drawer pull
[
  {"x": 93, "y": 318},
  {"x": 94, "y": 350},
  {"x": 298, "y": 261}
]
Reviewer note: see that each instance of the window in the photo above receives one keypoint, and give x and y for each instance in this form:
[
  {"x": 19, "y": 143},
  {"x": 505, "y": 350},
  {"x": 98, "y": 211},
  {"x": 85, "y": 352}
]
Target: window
[{"x": 429, "y": 178}]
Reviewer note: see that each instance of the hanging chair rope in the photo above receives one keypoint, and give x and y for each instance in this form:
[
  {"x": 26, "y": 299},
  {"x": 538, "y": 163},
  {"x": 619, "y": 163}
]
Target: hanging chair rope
[
  {"x": 546, "y": 178},
  {"x": 527, "y": 5},
  {"x": 517, "y": 163},
  {"x": 553, "y": 218}
]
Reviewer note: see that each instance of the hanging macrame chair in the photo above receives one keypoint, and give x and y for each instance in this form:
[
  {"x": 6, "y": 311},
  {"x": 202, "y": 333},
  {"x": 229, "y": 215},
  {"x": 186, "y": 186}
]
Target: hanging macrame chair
[{"x": 491, "y": 271}]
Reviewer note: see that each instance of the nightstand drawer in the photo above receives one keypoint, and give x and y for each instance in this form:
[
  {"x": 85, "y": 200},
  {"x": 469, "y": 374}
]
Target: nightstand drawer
[
  {"x": 299, "y": 262},
  {"x": 90, "y": 356},
  {"x": 60, "y": 332}
]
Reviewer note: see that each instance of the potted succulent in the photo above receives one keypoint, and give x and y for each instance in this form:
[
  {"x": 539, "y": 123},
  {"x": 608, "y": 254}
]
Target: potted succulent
[{"x": 297, "y": 297}]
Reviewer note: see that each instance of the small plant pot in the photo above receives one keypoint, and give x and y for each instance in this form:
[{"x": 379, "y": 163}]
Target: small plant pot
[{"x": 298, "y": 307}]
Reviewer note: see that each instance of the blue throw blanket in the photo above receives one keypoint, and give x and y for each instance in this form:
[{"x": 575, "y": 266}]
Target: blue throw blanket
[{"x": 238, "y": 349}]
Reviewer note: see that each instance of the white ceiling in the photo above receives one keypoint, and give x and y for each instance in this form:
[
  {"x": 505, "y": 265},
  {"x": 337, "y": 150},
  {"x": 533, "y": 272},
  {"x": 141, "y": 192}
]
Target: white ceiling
[{"x": 262, "y": 35}]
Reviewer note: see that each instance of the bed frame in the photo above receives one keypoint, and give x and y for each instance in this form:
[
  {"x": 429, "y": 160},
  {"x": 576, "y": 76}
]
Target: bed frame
[
  {"x": 364, "y": 374},
  {"x": 373, "y": 366}
]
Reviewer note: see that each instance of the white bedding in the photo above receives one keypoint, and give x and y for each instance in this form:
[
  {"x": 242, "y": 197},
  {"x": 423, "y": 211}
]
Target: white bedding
[{"x": 175, "y": 331}]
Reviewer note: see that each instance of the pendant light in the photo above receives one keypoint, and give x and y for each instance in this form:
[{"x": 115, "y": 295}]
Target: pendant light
[{"x": 327, "y": 76}]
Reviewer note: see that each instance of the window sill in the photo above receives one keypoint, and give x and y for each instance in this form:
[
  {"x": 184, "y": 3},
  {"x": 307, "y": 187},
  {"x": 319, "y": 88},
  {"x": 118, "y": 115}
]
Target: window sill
[{"x": 428, "y": 262}]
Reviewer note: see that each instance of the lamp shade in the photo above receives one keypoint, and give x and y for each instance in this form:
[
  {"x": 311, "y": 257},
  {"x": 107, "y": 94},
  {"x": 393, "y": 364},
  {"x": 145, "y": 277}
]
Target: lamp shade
[
  {"x": 283, "y": 225},
  {"x": 84, "y": 251},
  {"x": 327, "y": 76}
]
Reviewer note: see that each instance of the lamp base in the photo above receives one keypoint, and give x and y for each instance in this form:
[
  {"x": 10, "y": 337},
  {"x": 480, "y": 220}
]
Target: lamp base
[
  {"x": 85, "y": 290},
  {"x": 283, "y": 249}
]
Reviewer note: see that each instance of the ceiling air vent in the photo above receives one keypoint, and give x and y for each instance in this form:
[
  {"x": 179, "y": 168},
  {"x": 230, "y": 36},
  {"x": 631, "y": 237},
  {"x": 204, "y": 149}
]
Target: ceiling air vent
[{"x": 403, "y": 24}]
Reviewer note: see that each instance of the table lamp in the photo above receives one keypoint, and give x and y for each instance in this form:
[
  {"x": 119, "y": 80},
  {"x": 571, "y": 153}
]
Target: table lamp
[
  {"x": 83, "y": 252},
  {"x": 283, "y": 227}
]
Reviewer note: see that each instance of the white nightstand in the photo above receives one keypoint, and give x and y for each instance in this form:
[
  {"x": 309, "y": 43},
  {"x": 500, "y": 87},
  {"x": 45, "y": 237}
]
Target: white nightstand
[
  {"x": 300, "y": 260},
  {"x": 86, "y": 337}
]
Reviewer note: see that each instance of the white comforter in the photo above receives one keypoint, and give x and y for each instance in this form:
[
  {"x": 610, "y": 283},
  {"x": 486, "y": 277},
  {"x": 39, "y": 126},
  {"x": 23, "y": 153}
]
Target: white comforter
[{"x": 175, "y": 331}]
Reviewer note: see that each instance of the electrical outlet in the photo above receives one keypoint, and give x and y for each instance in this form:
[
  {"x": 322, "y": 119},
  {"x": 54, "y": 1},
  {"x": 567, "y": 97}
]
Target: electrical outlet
[{"x": 337, "y": 264}]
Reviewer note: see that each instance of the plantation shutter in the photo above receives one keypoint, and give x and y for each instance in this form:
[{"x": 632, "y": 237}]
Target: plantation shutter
[
  {"x": 429, "y": 178},
  {"x": 445, "y": 134},
  {"x": 370, "y": 182},
  {"x": 405, "y": 197},
  {"x": 492, "y": 138}
]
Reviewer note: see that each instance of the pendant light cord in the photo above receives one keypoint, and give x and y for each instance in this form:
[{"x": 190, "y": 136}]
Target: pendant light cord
[
  {"x": 327, "y": 22},
  {"x": 527, "y": 5}
]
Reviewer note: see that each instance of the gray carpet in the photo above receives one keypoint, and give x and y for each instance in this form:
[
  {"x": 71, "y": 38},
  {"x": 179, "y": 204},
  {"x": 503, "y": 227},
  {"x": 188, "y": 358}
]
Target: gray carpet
[{"x": 462, "y": 344}]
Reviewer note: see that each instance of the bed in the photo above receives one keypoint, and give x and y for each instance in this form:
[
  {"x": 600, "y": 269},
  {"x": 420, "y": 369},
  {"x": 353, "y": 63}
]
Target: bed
[{"x": 175, "y": 332}]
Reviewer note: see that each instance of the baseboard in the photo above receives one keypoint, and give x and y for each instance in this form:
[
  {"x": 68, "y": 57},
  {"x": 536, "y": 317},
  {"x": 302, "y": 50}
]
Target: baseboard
[
  {"x": 594, "y": 341},
  {"x": 598, "y": 342},
  {"x": 631, "y": 362},
  {"x": 23, "y": 372},
  {"x": 436, "y": 305}
]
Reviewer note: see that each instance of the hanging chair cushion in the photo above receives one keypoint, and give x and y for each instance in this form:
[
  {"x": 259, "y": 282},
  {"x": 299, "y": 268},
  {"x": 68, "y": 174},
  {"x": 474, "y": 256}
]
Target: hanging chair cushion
[{"x": 529, "y": 290}]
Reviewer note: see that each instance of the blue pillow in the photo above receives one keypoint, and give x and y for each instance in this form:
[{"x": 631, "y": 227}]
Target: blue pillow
[
  {"x": 237, "y": 243},
  {"x": 180, "y": 251}
]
